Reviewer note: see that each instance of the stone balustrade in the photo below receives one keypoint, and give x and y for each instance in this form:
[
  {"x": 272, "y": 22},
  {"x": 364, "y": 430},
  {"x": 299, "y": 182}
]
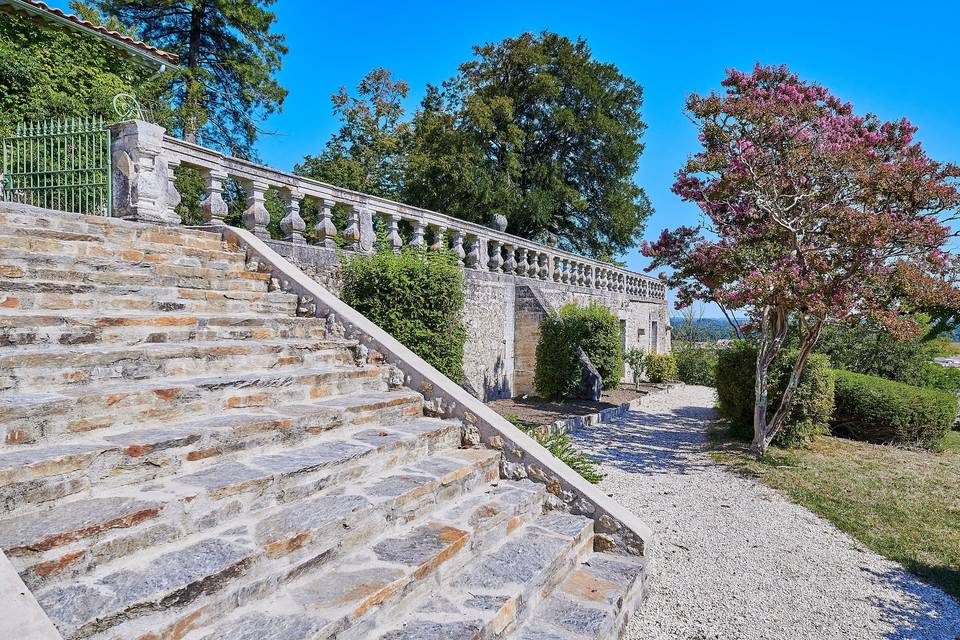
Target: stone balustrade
[{"x": 476, "y": 247}]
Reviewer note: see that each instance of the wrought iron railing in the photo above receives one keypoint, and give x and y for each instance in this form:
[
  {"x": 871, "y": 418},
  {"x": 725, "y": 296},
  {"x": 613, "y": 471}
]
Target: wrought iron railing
[{"x": 61, "y": 164}]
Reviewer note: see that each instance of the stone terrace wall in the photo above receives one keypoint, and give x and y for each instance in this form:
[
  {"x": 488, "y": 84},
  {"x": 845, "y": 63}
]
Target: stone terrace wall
[{"x": 502, "y": 332}]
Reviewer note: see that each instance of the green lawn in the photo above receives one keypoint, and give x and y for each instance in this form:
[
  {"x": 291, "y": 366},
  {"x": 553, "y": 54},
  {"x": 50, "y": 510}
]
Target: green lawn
[{"x": 903, "y": 504}]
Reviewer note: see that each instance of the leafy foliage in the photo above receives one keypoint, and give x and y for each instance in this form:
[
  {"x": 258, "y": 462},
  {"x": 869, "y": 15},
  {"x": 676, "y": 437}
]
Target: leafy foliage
[
  {"x": 815, "y": 215},
  {"x": 592, "y": 328},
  {"x": 695, "y": 364},
  {"x": 661, "y": 367},
  {"x": 368, "y": 152},
  {"x": 560, "y": 446},
  {"x": 47, "y": 72},
  {"x": 417, "y": 297},
  {"x": 735, "y": 380},
  {"x": 879, "y": 410},
  {"x": 636, "y": 359},
  {"x": 230, "y": 56}
]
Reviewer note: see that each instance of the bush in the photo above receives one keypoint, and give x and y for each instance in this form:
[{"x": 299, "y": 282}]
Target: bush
[
  {"x": 735, "y": 377},
  {"x": 592, "y": 328},
  {"x": 661, "y": 367},
  {"x": 695, "y": 364},
  {"x": 417, "y": 297},
  {"x": 560, "y": 446},
  {"x": 879, "y": 410},
  {"x": 636, "y": 359},
  {"x": 934, "y": 376}
]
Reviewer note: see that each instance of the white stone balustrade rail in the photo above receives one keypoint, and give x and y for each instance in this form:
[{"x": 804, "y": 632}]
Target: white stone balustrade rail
[{"x": 477, "y": 247}]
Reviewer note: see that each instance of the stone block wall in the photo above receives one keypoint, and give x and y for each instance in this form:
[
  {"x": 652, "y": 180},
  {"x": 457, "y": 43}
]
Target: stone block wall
[{"x": 502, "y": 318}]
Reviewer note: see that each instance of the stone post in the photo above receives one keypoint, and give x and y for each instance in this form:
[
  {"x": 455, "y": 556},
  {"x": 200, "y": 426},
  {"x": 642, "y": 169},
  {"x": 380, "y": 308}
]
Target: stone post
[
  {"x": 292, "y": 223},
  {"x": 473, "y": 256},
  {"x": 458, "y": 237},
  {"x": 213, "y": 206},
  {"x": 256, "y": 217},
  {"x": 439, "y": 239},
  {"x": 417, "y": 240},
  {"x": 394, "y": 241},
  {"x": 510, "y": 264},
  {"x": 324, "y": 229},
  {"x": 522, "y": 266},
  {"x": 496, "y": 257},
  {"x": 351, "y": 235},
  {"x": 143, "y": 188},
  {"x": 544, "y": 268}
]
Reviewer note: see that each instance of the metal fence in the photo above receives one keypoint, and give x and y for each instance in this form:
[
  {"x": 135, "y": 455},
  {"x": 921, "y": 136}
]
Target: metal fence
[{"x": 61, "y": 164}]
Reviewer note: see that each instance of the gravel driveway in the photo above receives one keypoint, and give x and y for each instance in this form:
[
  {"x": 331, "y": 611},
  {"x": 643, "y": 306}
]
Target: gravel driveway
[{"x": 736, "y": 560}]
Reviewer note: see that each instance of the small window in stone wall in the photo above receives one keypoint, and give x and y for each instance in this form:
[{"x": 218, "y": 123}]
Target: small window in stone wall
[{"x": 641, "y": 332}]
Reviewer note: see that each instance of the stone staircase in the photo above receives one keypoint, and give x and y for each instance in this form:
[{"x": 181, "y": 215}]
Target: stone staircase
[{"x": 184, "y": 457}]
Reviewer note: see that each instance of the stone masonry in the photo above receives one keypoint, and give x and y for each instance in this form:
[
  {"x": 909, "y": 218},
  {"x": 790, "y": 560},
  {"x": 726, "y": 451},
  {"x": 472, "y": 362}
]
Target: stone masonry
[{"x": 190, "y": 453}]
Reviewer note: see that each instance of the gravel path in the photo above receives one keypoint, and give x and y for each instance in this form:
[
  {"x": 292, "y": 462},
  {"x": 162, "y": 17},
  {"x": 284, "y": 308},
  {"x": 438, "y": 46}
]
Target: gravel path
[{"x": 736, "y": 560}]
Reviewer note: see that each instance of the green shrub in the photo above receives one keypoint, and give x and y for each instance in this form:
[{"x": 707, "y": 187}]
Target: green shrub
[
  {"x": 661, "y": 367},
  {"x": 560, "y": 446},
  {"x": 934, "y": 376},
  {"x": 695, "y": 364},
  {"x": 636, "y": 358},
  {"x": 735, "y": 377},
  {"x": 592, "y": 328},
  {"x": 417, "y": 297},
  {"x": 879, "y": 410}
]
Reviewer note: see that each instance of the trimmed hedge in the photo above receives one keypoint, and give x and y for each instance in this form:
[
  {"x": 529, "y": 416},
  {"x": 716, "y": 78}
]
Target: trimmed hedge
[
  {"x": 661, "y": 367},
  {"x": 695, "y": 364},
  {"x": 813, "y": 403},
  {"x": 594, "y": 329},
  {"x": 879, "y": 410},
  {"x": 417, "y": 297}
]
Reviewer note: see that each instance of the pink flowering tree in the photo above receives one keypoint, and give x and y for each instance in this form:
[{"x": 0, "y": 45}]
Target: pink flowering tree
[{"x": 811, "y": 215}]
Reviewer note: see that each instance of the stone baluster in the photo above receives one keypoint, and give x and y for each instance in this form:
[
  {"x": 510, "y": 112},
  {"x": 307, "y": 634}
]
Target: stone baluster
[
  {"x": 439, "y": 239},
  {"x": 325, "y": 230},
  {"x": 394, "y": 241},
  {"x": 292, "y": 224},
  {"x": 510, "y": 264},
  {"x": 581, "y": 274},
  {"x": 543, "y": 266},
  {"x": 472, "y": 260},
  {"x": 496, "y": 257},
  {"x": 556, "y": 264},
  {"x": 522, "y": 265},
  {"x": 588, "y": 276},
  {"x": 601, "y": 278},
  {"x": 565, "y": 271},
  {"x": 458, "y": 237},
  {"x": 256, "y": 217},
  {"x": 351, "y": 235},
  {"x": 533, "y": 267},
  {"x": 418, "y": 239},
  {"x": 213, "y": 207}
]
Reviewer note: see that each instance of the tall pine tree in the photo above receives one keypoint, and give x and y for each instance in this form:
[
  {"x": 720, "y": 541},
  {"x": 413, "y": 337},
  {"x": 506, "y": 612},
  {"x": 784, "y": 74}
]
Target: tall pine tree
[{"x": 230, "y": 56}]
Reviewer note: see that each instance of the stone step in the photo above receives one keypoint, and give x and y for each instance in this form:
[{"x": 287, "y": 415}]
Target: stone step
[
  {"x": 351, "y": 597},
  {"x": 163, "y": 275},
  {"x": 34, "y": 417},
  {"x": 496, "y": 592},
  {"x": 88, "y": 532},
  {"x": 46, "y": 295},
  {"x": 54, "y": 328},
  {"x": 116, "y": 235},
  {"x": 248, "y": 558},
  {"x": 34, "y": 475},
  {"x": 60, "y": 367},
  {"x": 595, "y": 602},
  {"x": 47, "y": 253},
  {"x": 99, "y": 226}
]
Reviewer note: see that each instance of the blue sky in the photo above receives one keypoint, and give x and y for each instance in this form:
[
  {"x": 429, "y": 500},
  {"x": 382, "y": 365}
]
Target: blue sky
[{"x": 890, "y": 58}]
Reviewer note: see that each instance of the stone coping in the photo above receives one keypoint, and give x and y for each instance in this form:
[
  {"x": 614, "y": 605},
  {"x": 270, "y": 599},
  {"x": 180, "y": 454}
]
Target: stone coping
[
  {"x": 523, "y": 457},
  {"x": 21, "y": 617}
]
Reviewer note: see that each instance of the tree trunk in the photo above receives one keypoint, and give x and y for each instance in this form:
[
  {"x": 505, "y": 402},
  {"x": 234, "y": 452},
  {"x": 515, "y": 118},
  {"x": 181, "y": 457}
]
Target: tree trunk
[
  {"x": 773, "y": 334},
  {"x": 807, "y": 344},
  {"x": 193, "y": 90}
]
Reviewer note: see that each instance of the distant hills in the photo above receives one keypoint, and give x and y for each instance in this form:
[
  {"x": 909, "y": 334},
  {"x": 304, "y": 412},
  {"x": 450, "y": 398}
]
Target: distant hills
[{"x": 702, "y": 330}]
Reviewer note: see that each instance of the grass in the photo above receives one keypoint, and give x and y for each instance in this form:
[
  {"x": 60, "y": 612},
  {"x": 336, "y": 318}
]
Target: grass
[{"x": 903, "y": 504}]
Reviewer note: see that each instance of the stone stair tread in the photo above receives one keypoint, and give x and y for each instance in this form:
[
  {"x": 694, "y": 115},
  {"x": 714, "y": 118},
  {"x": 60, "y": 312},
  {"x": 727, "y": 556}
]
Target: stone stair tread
[
  {"x": 337, "y": 596},
  {"x": 486, "y": 595},
  {"x": 178, "y": 572},
  {"x": 164, "y": 292},
  {"x": 38, "y": 219},
  {"x": 587, "y": 605}
]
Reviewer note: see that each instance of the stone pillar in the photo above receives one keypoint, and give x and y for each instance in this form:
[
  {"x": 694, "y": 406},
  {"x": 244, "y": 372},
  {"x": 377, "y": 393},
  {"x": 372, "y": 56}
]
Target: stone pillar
[
  {"x": 458, "y": 237},
  {"x": 510, "y": 264},
  {"x": 142, "y": 174},
  {"x": 256, "y": 217},
  {"x": 213, "y": 206},
  {"x": 394, "y": 241},
  {"x": 544, "y": 268},
  {"x": 292, "y": 223},
  {"x": 472, "y": 260},
  {"x": 325, "y": 230},
  {"x": 439, "y": 239},
  {"x": 417, "y": 240},
  {"x": 521, "y": 269},
  {"x": 496, "y": 257}
]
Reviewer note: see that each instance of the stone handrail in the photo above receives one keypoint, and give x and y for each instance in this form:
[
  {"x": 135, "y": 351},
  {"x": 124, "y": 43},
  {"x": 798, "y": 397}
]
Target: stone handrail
[{"x": 143, "y": 147}]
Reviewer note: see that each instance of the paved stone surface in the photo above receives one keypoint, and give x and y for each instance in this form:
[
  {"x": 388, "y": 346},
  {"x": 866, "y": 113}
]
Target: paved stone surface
[
  {"x": 263, "y": 626},
  {"x": 428, "y": 630},
  {"x": 735, "y": 560},
  {"x": 516, "y": 562}
]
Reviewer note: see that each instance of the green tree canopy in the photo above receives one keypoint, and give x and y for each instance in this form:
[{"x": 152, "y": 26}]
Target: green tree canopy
[
  {"x": 230, "y": 56},
  {"x": 537, "y": 130},
  {"x": 48, "y": 72},
  {"x": 368, "y": 152}
]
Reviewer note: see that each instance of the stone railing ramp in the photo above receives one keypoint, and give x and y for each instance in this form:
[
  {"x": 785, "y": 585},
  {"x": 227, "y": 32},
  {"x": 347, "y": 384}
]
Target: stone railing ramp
[{"x": 201, "y": 442}]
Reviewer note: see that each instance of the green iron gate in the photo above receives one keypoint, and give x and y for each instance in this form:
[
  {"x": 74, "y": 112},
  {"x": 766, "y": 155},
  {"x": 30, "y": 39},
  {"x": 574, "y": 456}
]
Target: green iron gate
[{"x": 59, "y": 164}]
